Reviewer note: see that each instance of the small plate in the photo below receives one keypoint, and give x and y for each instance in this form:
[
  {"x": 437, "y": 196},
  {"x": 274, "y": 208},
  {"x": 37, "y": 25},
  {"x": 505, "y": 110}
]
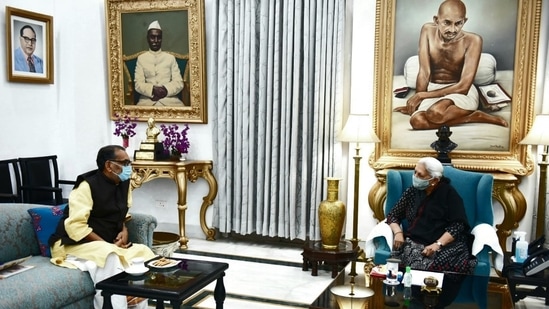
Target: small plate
[
  {"x": 135, "y": 271},
  {"x": 171, "y": 263}
]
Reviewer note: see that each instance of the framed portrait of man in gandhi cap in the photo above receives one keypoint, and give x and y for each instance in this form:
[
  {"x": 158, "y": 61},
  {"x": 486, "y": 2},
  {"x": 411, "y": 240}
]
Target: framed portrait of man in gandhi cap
[{"x": 157, "y": 60}]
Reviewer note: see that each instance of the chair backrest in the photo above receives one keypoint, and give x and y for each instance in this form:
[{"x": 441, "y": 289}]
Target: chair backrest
[
  {"x": 130, "y": 62},
  {"x": 10, "y": 181},
  {"x": 474, "y": 188},
  {"x": 40, "y": 180}
]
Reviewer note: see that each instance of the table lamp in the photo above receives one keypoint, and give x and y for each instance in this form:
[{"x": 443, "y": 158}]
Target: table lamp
[
  {"x": 539, "y": 135},
  {"x": 350, "y": 296},
  {"x": 357, "y": 130}
]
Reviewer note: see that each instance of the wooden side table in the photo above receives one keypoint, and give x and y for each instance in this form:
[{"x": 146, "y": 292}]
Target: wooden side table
[{"x": 314, "y": 254}]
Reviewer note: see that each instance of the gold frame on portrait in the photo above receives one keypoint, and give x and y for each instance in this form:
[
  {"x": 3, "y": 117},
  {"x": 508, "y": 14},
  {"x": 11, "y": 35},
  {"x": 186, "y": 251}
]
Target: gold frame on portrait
[
  {"x": 516, "y": 160},
  {"x": 14, "y": 15},
  {"x": 197, "y": 111}
]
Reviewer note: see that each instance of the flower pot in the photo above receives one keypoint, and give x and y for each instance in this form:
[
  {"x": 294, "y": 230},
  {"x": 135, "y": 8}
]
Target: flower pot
[
  {"x": 174, "y": 157},
  {"x": 125, "y": 142},
  {"x": 177, "y": 157},
  {"x": 331, "y": 216}
]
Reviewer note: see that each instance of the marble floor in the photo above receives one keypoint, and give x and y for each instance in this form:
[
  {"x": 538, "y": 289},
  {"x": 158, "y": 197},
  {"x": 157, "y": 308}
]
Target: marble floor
[
  {"x": 262, "y": 276},
  {"x": 269, "y": 276}
]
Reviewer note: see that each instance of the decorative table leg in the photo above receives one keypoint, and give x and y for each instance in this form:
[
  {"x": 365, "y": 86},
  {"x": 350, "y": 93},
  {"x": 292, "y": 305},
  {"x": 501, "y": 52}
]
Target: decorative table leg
[
  {"x": 106, "y": 300},
  {"x": 334, "y": 270},
  {"x": 205, "y": 171},
  {"x": 314, "y": 272},
  {"x": 305, "y": 266},
  {"x": 512, "y": 201},
  {"x": 219, "y": 292},
  {"x": 160, "y": 304},
  {"x": 183, "y": 240},
  {"x": 181, "y": 182}
]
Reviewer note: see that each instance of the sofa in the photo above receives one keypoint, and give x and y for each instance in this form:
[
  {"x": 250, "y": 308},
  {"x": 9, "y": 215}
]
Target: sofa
[{"x": 46, "y": 285}]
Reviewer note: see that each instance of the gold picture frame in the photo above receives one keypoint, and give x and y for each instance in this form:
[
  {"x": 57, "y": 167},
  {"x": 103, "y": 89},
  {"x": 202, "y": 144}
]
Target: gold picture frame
[
  {"x": 183, "y": 36},
  {"x": 507, "y": 156},
  {"x": 29, "y": 46}
]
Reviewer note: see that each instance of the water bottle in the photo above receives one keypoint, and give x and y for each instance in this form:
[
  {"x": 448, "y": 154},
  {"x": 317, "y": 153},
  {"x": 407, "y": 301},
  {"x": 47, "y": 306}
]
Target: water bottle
[
  {"x": 407, "y": 281},
  {"x": 521, "y": 248}
]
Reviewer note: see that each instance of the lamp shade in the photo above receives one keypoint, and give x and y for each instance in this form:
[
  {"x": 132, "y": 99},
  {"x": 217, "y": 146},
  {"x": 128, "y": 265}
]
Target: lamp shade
[
  {"x": 358, "y": 129},
  {"x": 539, "y": 133},
  {"x": 352, "y": 297}
]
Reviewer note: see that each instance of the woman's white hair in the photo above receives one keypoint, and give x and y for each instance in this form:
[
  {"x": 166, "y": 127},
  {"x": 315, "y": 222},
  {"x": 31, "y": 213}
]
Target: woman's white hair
[{"x": 433, "y": 166}]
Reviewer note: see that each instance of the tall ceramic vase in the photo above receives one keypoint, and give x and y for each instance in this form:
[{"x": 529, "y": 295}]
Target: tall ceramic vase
[{"x": 331, "y": 216}]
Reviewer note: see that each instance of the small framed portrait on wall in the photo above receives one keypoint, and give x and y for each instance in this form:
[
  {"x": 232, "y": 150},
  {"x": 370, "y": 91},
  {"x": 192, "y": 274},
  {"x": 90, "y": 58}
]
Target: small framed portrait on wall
[{"x": 29, "y": 46}]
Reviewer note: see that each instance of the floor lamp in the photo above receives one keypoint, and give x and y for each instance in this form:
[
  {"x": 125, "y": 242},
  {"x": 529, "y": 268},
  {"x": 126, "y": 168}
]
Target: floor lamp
[
  {"x": 539, "y": 135},
  {"x": 357, "y": 129}
]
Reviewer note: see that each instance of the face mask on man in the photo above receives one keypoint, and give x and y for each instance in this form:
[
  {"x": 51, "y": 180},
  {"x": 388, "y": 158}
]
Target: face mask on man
[
  {"x": 126, "y": 172},
  {"x": 420, "y": 184}
]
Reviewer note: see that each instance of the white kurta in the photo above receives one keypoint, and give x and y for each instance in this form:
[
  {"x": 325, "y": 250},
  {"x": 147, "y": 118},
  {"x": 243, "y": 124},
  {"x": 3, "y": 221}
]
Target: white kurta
[
  {"x": 100, "y": 258},
  {"x": 158, "y": 69},
  {"x": 77, "y": 228}
]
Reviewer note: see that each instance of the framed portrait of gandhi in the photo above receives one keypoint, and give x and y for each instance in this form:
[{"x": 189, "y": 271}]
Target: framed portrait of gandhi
[
  {"x": 29, "y": 46},
  {"x": 470, "y": 66},
  {"x": 156, "y": 60}
]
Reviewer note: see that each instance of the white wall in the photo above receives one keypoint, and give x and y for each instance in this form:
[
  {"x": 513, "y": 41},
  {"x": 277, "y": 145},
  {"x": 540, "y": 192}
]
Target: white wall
[{"x": 71, "y": 117}]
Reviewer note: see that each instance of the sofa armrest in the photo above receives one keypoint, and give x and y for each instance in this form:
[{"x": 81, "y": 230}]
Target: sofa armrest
[
  {"x": 379, "y": 242},
  {"x": 486, "y": 239},
  {"x": 141, "y": 228}
]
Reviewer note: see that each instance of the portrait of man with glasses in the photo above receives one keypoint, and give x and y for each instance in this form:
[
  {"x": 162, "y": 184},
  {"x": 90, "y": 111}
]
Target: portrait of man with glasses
[{"x": 24, "y": 58}]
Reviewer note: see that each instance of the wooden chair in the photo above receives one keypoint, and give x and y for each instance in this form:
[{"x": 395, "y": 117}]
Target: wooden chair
[
  {"x": 10, "y": 181},
  {"x": 40, "y": 181}
]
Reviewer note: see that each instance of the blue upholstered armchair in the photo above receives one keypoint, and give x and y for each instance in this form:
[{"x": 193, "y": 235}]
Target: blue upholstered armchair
[{"x": 476, "y": 192}]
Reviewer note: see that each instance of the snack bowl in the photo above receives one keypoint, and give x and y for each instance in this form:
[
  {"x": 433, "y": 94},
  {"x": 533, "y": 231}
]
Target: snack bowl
[
  {"x": 166, "y": 263},
  {"x": 136, "y": 271}
]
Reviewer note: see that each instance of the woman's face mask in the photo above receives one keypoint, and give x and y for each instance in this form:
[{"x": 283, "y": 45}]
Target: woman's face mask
[{"x": 420, "y": 184}]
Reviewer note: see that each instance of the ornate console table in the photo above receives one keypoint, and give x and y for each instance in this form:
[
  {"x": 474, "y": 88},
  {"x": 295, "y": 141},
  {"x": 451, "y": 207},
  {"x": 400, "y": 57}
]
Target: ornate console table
[
  {"x": 180, "y": 172},
  {"x": 505, "y": 191}
]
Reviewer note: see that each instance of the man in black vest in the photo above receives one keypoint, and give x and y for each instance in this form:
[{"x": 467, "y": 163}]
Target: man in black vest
[{"x": 93, "y": 225}]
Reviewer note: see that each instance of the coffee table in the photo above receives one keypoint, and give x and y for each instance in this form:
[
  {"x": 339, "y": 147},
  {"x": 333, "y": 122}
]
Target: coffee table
[
  {"x": 498, "y": 291},
  {"x": 174, "y": 284}
]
